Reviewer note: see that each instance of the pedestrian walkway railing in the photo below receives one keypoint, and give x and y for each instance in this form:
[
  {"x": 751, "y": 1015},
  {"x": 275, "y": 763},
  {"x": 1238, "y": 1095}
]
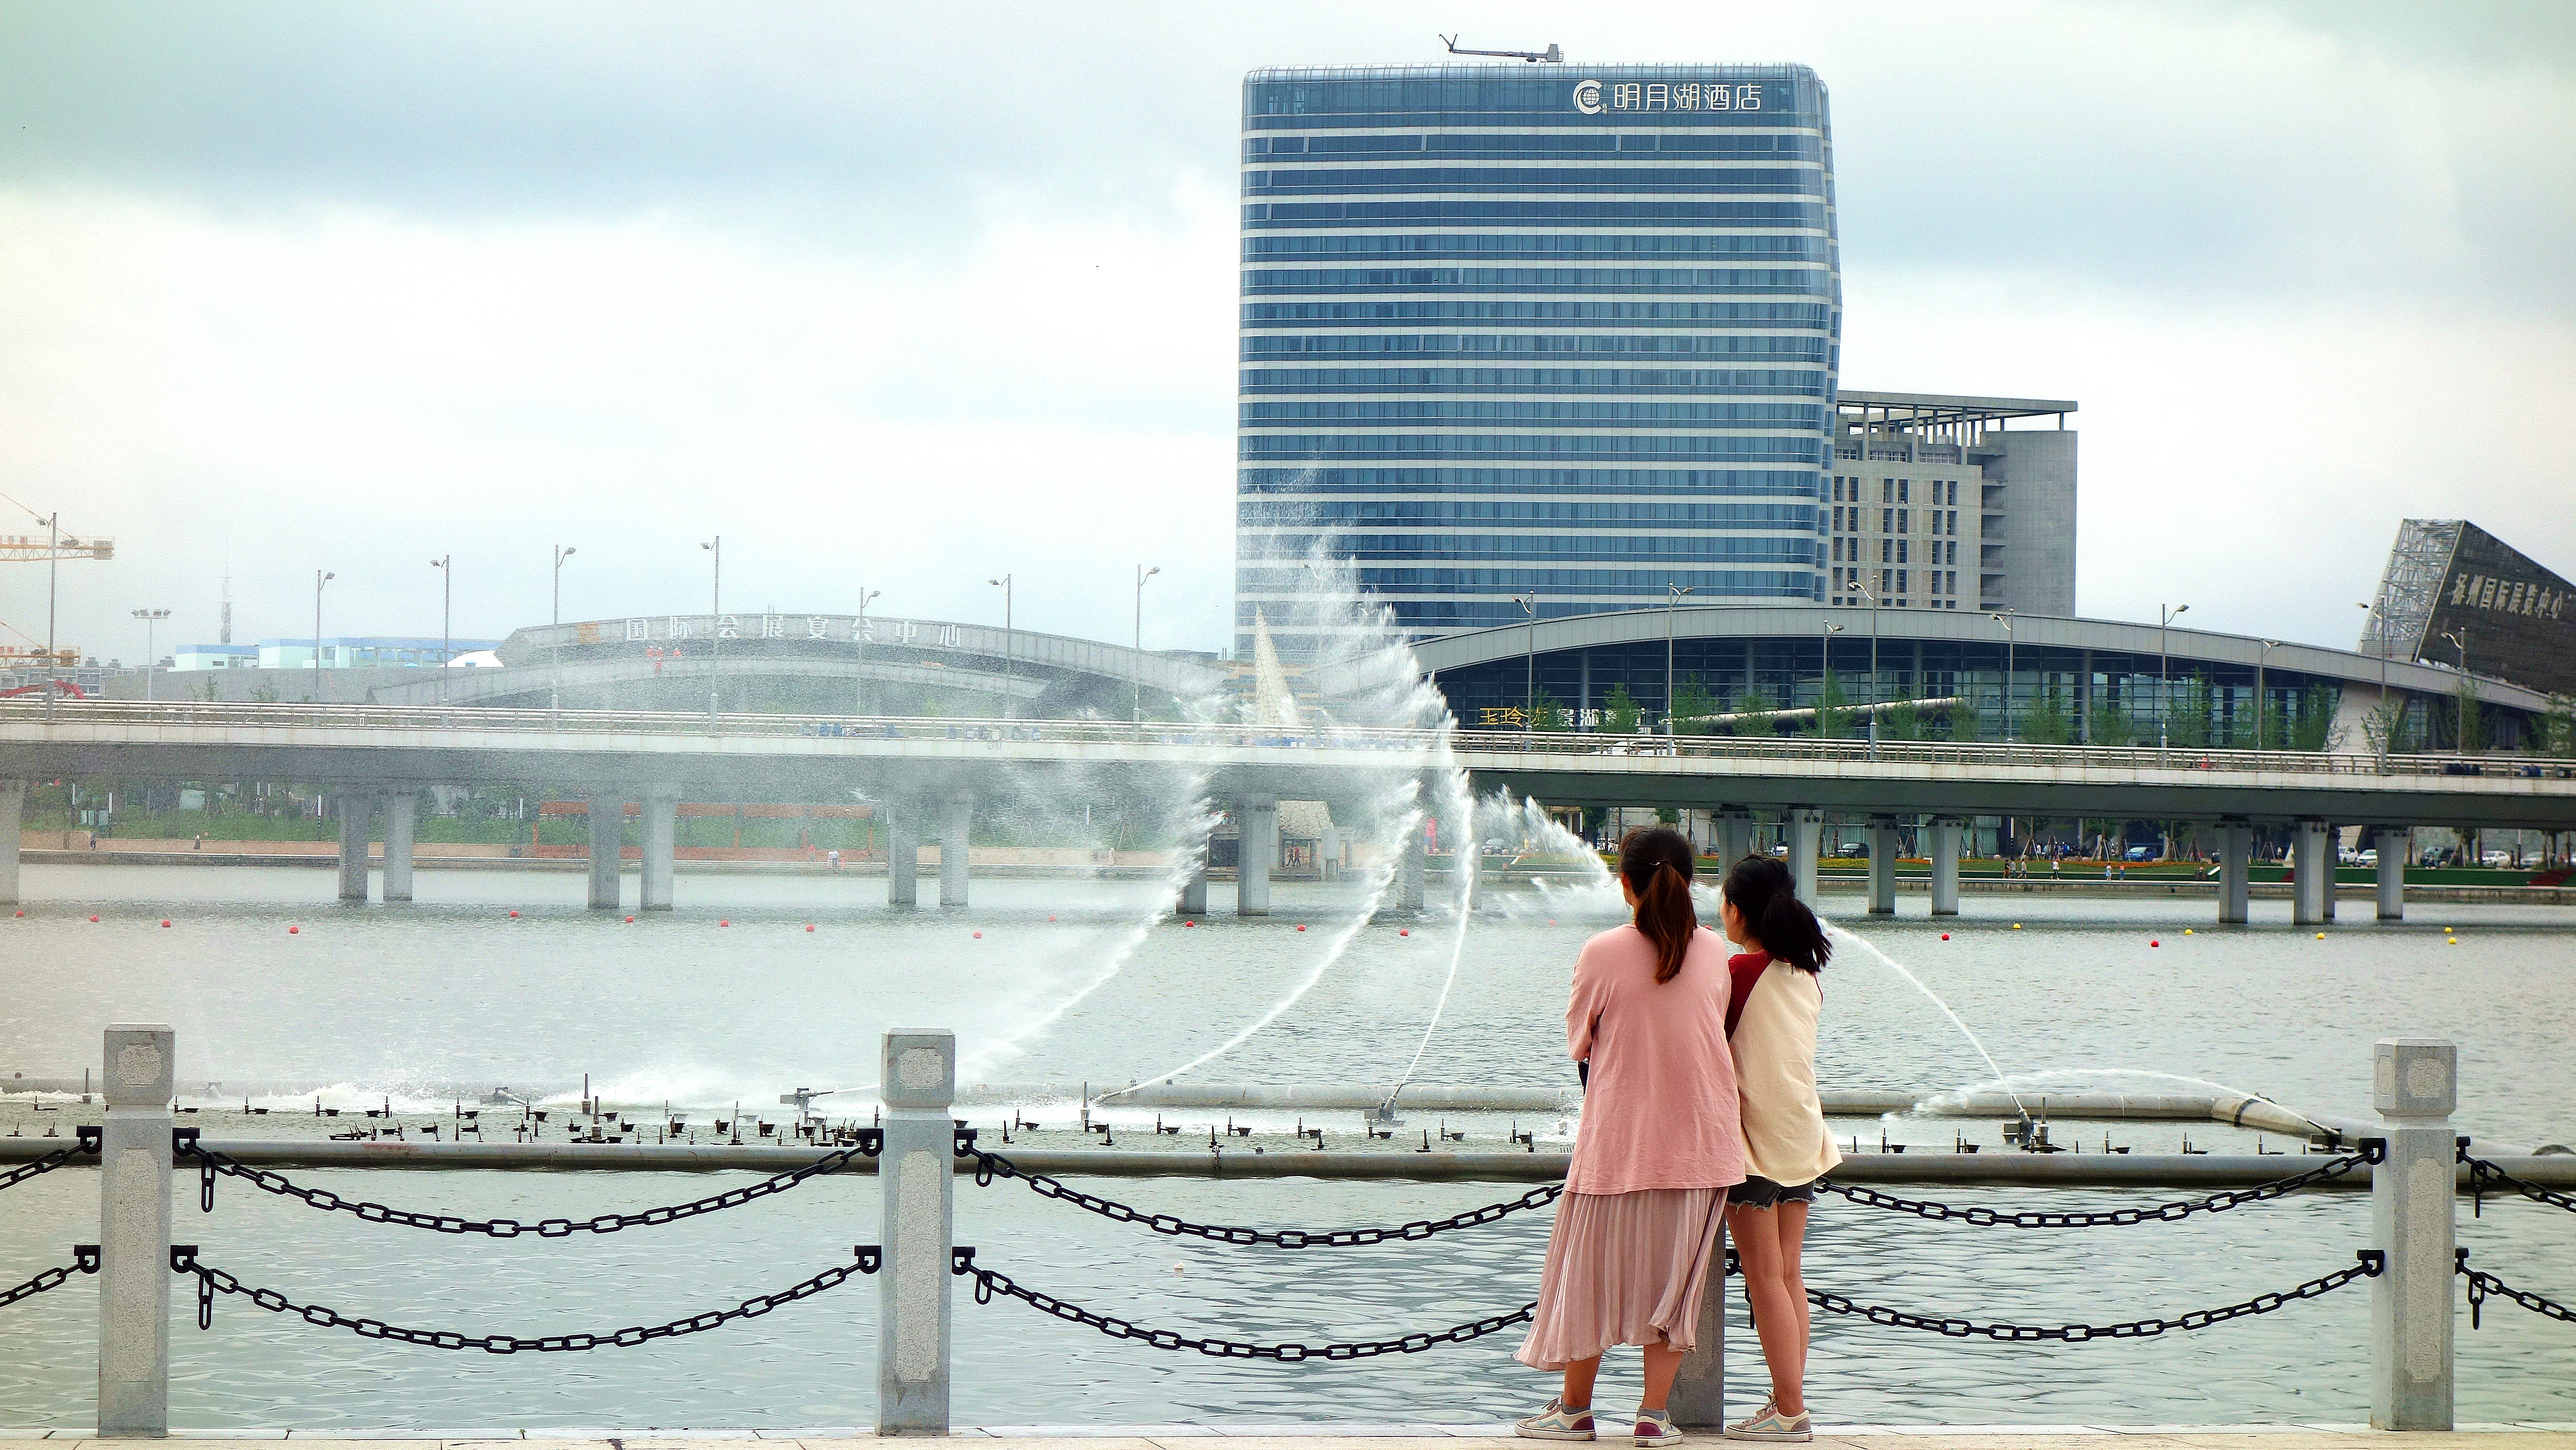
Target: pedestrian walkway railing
[
  {"x": 919, "y": 1152},
  {"x": 855, "y": 733}
]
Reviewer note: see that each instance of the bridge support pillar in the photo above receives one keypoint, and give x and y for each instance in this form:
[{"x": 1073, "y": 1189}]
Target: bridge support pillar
[
  {"x": 1193, "y": 900},
  {"x": 1734, "y": 838},
  {"x": 354, "y": 807},
  {"x": 2390, "y": 843},
  {"x": 1882, "y": 866},
  {"x": 1257, "y": 853},
  {"x": 2311, "y": 875},
  {"x": 1806, "y": 836},
  {"x": 1945, "y": 866},
  {"x": 400, "y": 809},
  {"x": 2235, "y": 865},
  {"x": 903, "y": 856},
  {"x": 2414, "y": 1220},
  {"x": 954, "y": 824},
  {"x": 607, "y": 815},
  {"x": 661, "y": 820},
  {"x": 13, "y": 802}
]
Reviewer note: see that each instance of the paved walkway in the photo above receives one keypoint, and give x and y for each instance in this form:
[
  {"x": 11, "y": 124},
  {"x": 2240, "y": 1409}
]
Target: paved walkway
[{"x": 2538, "y": 1436}]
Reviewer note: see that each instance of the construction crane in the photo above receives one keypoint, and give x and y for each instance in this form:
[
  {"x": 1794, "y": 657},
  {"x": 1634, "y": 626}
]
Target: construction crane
[
  {"x": 1552, "y": 55},
  {"x": 26, "y": 548}
]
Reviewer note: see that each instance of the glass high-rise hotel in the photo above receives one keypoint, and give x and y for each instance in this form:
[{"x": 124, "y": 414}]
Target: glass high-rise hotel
[{"x": 1568, "y": 332}]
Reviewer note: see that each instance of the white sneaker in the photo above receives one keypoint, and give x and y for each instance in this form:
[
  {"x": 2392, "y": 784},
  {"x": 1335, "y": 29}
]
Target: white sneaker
[
  {"x": 1655, "y": 1427},
  {"x": 1556, "y": 1423},
  {"x": 1770, "y": 1424}
]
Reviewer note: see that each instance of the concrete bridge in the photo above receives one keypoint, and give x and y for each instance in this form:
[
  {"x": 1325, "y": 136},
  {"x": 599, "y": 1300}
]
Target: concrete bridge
[{"x": 929, "y": 773}]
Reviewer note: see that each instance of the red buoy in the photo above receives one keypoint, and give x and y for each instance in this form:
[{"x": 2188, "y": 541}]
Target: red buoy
[
  {"x": 809, "y": 926},
  {"x": 1407, "y": 931},
  {"x": 1945, "y": 936},
  {"x": 630, "y": 918},
  {"x": 2151, "y": 941},
  {"x": 721, "y": 923},
  {"x": 514, "y": 913},
  {"x": 979, "y": 936},
  {"x": 93, "y": 918},
  {"x": 1301, "y": 926},
  {"x": 165, "y": 921},
  {"x": 292, "y": 930}
]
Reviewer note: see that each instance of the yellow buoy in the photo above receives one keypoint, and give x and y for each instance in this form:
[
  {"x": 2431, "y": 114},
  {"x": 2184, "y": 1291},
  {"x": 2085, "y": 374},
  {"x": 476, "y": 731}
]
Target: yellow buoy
[
  {"x": 2321, "y": 936},
  {"x": 2016, "y": 926},
  {"x": 2186, "y": 931}
]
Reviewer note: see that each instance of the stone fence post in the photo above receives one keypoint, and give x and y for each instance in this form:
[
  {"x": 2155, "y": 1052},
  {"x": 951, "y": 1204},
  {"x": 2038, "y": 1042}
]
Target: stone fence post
[
  {"x": 916, "y": 1182},
  {"x": 2414, "y": 1221},
  {"x": 134, "y": 1234}
]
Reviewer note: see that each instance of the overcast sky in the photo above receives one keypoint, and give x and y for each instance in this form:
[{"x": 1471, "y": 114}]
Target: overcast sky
[{"x": 907, "y": 297}]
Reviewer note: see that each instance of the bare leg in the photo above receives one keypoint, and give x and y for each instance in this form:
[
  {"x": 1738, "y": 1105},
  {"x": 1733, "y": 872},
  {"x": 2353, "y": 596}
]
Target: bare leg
[
  {"x": 1778, "y": 1318},
  {"x": 1662, "y": 1363},
  {"x": 1793, "y": 1238},
  {"x": 1578, "y": 1384}
]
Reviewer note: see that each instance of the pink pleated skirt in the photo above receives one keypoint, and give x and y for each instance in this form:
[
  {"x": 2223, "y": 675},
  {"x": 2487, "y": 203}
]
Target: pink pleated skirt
[{"x": 1623, "y": 1268}]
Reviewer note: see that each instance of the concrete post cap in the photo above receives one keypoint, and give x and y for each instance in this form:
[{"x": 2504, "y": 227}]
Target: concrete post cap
[
  {"x": 920, "y": 1068},
  {"x": 139, "y": 1070},
  {"x": 2415, "y": 1077}
]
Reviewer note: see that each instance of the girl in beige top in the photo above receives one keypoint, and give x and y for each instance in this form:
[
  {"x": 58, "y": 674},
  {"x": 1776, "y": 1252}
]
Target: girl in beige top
[{"x": 1771, "y": 1030}]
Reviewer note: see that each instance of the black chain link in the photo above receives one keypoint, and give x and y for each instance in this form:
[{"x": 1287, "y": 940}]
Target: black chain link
[
  {"x": 85, "y": 1140},
  {"x": 2483, "y": 1174},
  {"x": 211, "y": 1162},
  {"x": 212, "y": 1281},
  {"x": 2372, "y": 1261},
  {"x": 989, "y": 1166},
  {"x": 84, "y": 1261},
  {"x": 989, "y": 1282},
  {"x": 2482, "y": 1284},
  {"x": 2372, "y": 1152}
]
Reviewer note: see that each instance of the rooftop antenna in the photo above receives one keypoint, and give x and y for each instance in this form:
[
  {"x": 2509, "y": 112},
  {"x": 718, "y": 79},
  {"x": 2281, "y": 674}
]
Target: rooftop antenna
[{"x": 1553, "y": 55}]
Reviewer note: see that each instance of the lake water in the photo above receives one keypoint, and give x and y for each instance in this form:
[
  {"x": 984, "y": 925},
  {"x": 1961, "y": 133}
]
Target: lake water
[{"x": 452, "y": 996}]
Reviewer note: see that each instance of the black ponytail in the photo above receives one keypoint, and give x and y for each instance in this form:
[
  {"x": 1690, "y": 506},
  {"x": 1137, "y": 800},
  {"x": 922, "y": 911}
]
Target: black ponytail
[
  {"x": 1761, "y": 888},
  {"x": 1656, "y": 863}
]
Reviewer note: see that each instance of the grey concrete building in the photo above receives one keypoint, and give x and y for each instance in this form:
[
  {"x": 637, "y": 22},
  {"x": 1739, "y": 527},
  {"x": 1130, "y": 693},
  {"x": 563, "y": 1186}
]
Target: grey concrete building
[{"x": 1937, "y": 502}]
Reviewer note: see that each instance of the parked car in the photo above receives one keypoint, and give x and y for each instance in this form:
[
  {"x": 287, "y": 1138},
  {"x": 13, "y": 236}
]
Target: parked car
[{"x": 2140, "y": 853}]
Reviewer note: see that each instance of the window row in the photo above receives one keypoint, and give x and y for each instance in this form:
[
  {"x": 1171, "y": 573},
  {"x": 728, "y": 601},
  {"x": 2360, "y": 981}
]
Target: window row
[
  {"x": 1630, "y": 482},
  {"x": 1537, "y": 180},
  {"x": 1319, "y": 513},
  {"x": 1541, "y": 145},
  {"x": 1807, "y": 214},
  {"x": 1895, "y": 490},
  {"x": 1777, "y": 314},
  {"x": 1736, "y": 381},
  {"x": 1812, "y": 246},
  {"x": 1254, "y": 348},
  {"x": 1895, "y": 520},
  {"x": 1540, "y": 445},
  {"x": 1793, "y": 280},
  {"x": 1428, "y": 410},
  {"x": 1799, "y": 583},
  {"x": 1604, "y": 548}
]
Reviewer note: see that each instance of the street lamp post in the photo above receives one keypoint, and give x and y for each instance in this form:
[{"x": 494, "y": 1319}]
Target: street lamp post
[
  {"x": 320, "y": 578},
  {"x": 2459, "y": 640},
  {"x": 2005, "y": 619},
  {"x": 554, "y": 685},
  {"x": 2262, "y": 701},
  {"x": 2166, "y": 615},
  {"x": 1010, "y": 669},
  {"x": 859, "y": 642},
  {"x": 446, "y": 617},
  {"x": 715, "y": 624},
  {"x": 2379, "y": 631},
  {"x": 1873, "y": 661},
  {"x": 150, "y": 617},
  {"x": 1672, "y": 600},
  {"x": 1136, "y": 709},
  {"x": 1825, "y": 664},
  {"x": 1529, "y": 656},
  {"x": 53, "y": 570}
]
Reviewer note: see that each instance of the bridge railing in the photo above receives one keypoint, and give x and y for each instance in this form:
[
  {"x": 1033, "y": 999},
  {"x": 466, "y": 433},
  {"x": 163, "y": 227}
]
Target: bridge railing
[{"x": 859, "y": 729}]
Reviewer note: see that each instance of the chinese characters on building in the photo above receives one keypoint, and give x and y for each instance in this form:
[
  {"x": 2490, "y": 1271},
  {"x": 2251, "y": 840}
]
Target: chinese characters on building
[
  {"x": 2507, "y": 596},
  {"x": 1593, "y": 97}
]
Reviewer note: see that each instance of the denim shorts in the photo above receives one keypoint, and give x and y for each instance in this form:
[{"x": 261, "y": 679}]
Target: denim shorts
[{"x": 1759, "y": 1192}]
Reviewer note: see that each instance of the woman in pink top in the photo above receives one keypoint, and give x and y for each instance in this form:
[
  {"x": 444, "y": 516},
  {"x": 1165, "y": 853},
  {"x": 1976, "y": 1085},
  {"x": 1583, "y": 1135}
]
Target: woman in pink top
[{"x": 1657, "y": 1150}]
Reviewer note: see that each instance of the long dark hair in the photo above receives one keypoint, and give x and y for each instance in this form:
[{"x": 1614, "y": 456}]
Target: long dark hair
[
  {"x": 1656, "y": 863},
  {"x": 1762, "y": 889}
]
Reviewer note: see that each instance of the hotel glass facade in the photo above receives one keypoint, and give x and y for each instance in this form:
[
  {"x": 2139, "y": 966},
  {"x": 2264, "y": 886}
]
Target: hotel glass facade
[{"x": 1568, "y": 332}]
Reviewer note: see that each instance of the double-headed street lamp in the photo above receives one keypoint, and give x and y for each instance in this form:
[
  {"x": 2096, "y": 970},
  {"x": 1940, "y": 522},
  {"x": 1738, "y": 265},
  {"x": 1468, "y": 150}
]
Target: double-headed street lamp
[
  {"x": 1863, "y": 590},
  {"x": 320, "y": 578},
  {"x": 1672, "y": 600},
  {"x": 445, "y": 565},
  {"x": 1010, "y": 670},
  {"x": 715, "y": 624},
  {"x": 554, "y": 686},
  {"x": 2166, "y": 615},
  {"x": 2379, "y": 631},
  {"x": 150, "y": 617},
  {"x": 1136, "y": 708},
  {"x": 1529, "y": 655},
  {"x": 2005, "y": 619},
  {"x": 859, "y": 642},
  {"x": 2262, "y": 702}
]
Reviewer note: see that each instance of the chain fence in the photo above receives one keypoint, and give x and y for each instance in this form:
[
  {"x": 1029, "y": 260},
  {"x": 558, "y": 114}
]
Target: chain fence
[
  {"x": 2373, "y": 1151},
  {"x": 84, "y": 1261},
  {"x": 989, "y": 1282},
  {"x": 211, "y": 1162},
  {"x": 2372, "y": 1261},
  {"x": 2485, "y": 1177},
  {"x": 2483, "y": 1284},
  {"x": 989, "y": 1166},
  {"x": 212, "y": 1281},
  {"x": 86, "y": 1140}
]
